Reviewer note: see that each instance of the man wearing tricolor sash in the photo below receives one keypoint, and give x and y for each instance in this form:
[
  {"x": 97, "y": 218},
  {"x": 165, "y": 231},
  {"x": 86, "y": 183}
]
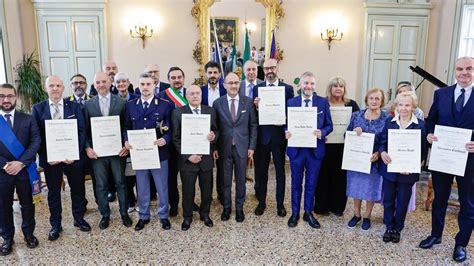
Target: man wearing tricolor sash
[{"x": 19, "y": 143}]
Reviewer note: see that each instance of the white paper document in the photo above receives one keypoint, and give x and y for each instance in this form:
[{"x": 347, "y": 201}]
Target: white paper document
[
  {"x": 449, "y": 154},
  {"x": 404, "y": 148},
  {"x": 358, "y": 151},
  {"x": 341, "y": 116},
  {"x": 144, "y": 152},
  {"x": 271, "y": 107},
  {"x": 62, "y": 140},
  {"x": 194, "y": 131},
  {"x": 106, "y": 135},
  {"x": 302, "y": 122}
]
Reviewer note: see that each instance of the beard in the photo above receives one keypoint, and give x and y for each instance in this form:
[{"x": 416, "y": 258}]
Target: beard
[
  {"x": 7, "y": 107},
  {"x": 79, "y": 92},
  {"x": 270, "y": 76},
  {"x": 212, "y": 81}
]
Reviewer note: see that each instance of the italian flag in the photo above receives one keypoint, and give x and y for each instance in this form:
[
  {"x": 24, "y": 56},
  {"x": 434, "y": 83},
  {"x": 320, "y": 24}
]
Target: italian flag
[{"x": 176, "y": 97}]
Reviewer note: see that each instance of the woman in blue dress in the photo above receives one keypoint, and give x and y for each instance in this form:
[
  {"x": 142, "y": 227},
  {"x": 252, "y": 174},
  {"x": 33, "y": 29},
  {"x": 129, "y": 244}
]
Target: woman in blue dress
[{"x": 362, "y": 186}]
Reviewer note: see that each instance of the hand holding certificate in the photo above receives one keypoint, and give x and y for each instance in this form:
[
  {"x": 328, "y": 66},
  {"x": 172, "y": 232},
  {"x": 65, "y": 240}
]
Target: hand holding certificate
[
  {"x": 448, "y": 153},
  {"x": 302, "y": 123},
  {"x": 271, "y": 107},
  {"x": 404, "y": 149},
  {"x": 144, "y": 152},
  {"x": 106, "y": 136},
  {"x": 358, "y": 152},
  {"x": 62, "y": 140},
  {"x": 341, "y": 117},
  {"x": 194, "y": 132}
]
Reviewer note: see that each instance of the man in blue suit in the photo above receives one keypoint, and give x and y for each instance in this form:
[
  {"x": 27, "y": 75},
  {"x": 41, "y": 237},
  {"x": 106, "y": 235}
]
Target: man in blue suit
[
  {"x": 56, "y": 108},
  {"x": 453, "y": 106},
  {"x": 271, "y": 141},
  {"x": 308, "y": 160},
  {"x": 14, "y": 174}
]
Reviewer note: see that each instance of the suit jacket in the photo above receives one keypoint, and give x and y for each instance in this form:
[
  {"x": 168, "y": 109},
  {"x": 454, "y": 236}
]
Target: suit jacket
[
  {"x": 272, "y": 133},
  {"x": 243, "y": 131},
  {"x": 163, "y": 95},
  {"x": 383, "y": 147},
  {"x": 157, "y": 116},
  {"x": 113, "y": 89},
  {"x": 243, "y": 89},
  {"x": 207, "y": 162},
  {"x": 442, "y": 113},
  {"x": 26, "y": 131},
  {"x": 92, "y": 109},
  {"x": 72, "y": 110},
  {"x": 324, "y": 124},
  {"x": 163, "y": 86},
  {"x": 205, "y": 93}
]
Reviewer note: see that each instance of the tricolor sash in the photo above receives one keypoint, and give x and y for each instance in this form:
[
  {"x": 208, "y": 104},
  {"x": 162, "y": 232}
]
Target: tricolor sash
[
  {"x": 14, "y": 146},
  {"x": 176, "y": 97}
]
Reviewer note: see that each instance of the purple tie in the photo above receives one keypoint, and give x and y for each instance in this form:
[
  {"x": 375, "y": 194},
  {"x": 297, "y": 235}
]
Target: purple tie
[{"x": 232, "y": 109}]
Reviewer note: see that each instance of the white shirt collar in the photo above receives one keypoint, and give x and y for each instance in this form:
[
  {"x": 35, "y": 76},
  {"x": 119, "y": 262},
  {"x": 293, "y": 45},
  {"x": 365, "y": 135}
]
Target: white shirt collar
[
  {"x": 274, "y": 83},
  {"x": 304, "y": 103},
  {"x": 192, "y": 108},
  {"x": 60, "y": 103},
  {"x": 247, "y": 83},
  {"x": 148, "y": 101},
  {"x": 413, "y": 120},
  {"x": 229, "y": 98},
  {"x": 468, "y": 88},
  {"x": 12, "y": 112}
]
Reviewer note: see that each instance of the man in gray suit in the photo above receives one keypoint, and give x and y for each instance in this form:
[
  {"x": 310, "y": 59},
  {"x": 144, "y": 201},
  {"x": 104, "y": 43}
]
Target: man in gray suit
[
  {"x": 107, "y": 104},
  {"x": 250, "y": 72},
  {"x": 237, "y": 124}
]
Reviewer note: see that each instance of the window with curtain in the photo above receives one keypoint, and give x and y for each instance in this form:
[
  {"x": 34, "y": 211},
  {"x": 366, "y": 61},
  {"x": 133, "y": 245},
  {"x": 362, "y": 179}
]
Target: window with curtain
[{"x": 466, "y": 37}]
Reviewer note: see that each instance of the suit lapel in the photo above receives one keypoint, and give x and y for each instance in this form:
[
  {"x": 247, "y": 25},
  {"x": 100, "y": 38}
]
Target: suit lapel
[
  {"x": 226, "y": 108},
  {"x": 239, "y": 110},
  {"x": 451, "y": 102},
  {"x": 469, "y": 106},
  {"x": 16, "y": 122},
  {"x": 113, "y": 103},
  {"x": 47, "y": 112},
  {"x": 67, "y": 110}
]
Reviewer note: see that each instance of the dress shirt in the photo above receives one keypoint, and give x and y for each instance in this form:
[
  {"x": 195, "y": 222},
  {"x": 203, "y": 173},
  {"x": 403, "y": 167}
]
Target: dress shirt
[
  {"x": 148, "y": 101},
  {"x": 303, "y": 103},
  {"x": 104, "y": 102},
  {"x": 236, "y": 103},
  {"x": 467, "y": 94},
  {"x": 248, "y": 87},
  {"x": 60, "y": 106},
  {"x": 194, "y": 108},
  {"x": 272, "y": 84},
  {"x": 12, "y": 112},
  {"x": 213, "y": 94},
  {"x": 413, "y": 120}
]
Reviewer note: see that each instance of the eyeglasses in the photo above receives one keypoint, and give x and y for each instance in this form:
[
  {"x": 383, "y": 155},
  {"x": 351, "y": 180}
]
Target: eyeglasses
[
  {"x": 75, "y": 83},
  {"x": 269, "y": 68},
  {"x": 9, "y": 96},
  {"x": 233, "y": 83}
]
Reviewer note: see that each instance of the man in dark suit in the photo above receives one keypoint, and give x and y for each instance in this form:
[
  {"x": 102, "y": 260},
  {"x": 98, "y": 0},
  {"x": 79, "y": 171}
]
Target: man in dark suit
[
  {"x": 214, "y": 88},
  {"x": 453, "y": 106},
  {"x": 251, "y": 80},
  {"x": 16, "y": 128},
  {"x": 154, "y": 71},
  {"x": 307, "y": 161},
  {"x": 110, "y": 68},
  {"x": 176, "y": 96},
  {"x": 56, "y": 108},
  {"x": 78, "y": 87},
  {"x": 107, "y": 104},
  {"x": 237, "y": 125},
  {"x": 193, "y": 166},
  {"x": 271, "y": 141}
]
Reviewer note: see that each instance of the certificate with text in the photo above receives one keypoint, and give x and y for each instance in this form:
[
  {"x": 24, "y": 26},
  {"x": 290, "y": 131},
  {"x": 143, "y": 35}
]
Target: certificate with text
[
  {"x": 404, "y": 148},
  {"x": 194, "y": 131},
  {"x": 62, "y": 140},
  {"x": 302, "y": 122},
  {"x": 449, "y": 154},
  {"x": 271, "y": 107},
  {"x": 358, "y": 151},
  {"x": 144, "y": 153},
  {"x": 341, "y": 116},
  {"x": 106, "y": 135}
]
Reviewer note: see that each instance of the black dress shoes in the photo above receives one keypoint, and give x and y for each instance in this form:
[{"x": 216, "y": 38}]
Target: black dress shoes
[
  {"x": 395, "y": 236},
  {"x": 104, "y": 223},
  {"x": 186, "y": 224},
  {"x": 126, "y": 221},
  {"x": 225, "y": 215},
  {"x": 82, "y": 225},
  {"x": 239, "y": 216},
  {"x": 141, "y": 224},
  {"x": 55, "y": 232},
  {"x": 308, "y": 217},
  {"x": 293, "y": 221},
  {"x": 459, "y": 254},
  {"x": 111, "y": 197},
  {"x": 173, "y": 211},
  {"x": 31, "y": 241},
  {"x": 207, "y": 221},
  {"x": 259, "y": 210},
  {"x": 165, "y": 224},
  {"x": 6, "y": 247},
  {"x": 387, "y": 236},
  {"x": 281, "y": 212},
  {"x": 430, "y": 242}
]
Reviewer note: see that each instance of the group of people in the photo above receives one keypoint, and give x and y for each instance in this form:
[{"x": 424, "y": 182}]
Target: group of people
[{"x": 234, "y": 137}]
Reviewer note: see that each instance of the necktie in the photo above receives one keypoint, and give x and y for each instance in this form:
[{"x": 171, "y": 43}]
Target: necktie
[
  {"x": 251, "y": 90},
  {"x": 104, "y": 109},
  {"x": 460, "y": 101},
  {"x": 57, "y": 113},
  {"x": 196, "y": 111},
  {"x": 9, "y": 121},
  {"x": 81, "y": 101},
  {"x": 271, "y": 85},
  {"x": 145, "y": 106},
  {"x": 306, "y": 102},
  {"x": 232, "y": 109}
]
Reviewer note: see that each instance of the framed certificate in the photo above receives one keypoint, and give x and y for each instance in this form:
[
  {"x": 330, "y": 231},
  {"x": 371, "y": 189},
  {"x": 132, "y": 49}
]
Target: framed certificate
[
  {"x": 341, "y": 116},
  {"x": 106, "y": 135},
  {"x": 271, "y": 108},
  {"x": 302, "y": 122},
  {"x": 144, "y": 153},
  {"x": 449, "y": 154},
  {"x": 62, "y": 140},
  {"x": 358, "y": 151},
  {"x": 404, "y": 148},
  {"x": 194, "y": 131}
]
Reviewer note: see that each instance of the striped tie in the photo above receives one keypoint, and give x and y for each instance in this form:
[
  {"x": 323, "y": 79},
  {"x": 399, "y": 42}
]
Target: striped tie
[{"x": 57, "y": 113}]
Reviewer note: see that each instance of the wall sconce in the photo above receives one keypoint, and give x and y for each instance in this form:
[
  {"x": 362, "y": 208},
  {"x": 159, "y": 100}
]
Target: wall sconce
[
  {"x": 142, "y": 33},
  {"x": 250, "y": 27},
  {"x": 332, "y": 34}
]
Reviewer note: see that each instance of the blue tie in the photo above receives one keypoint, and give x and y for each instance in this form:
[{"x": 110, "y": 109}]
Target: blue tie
[
  {"x": 9, "y": 121},
  {"x": 145, "y": 106},
  {"x": 460, "y": 101},
  {"x": 251, "y": 90},
  {"x": 306, "y": 103}
]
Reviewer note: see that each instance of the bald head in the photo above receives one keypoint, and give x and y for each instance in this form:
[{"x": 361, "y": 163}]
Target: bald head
[
  {"x": 194, "y": 95},
  {"x": 102, "y": 83},
  {"x": 54, "y": 86},
  {"x": 110, "y": 68}
]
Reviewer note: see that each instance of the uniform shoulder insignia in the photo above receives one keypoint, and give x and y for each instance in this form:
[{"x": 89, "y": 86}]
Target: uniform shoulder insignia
[{"x": 163, "y": 99}]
